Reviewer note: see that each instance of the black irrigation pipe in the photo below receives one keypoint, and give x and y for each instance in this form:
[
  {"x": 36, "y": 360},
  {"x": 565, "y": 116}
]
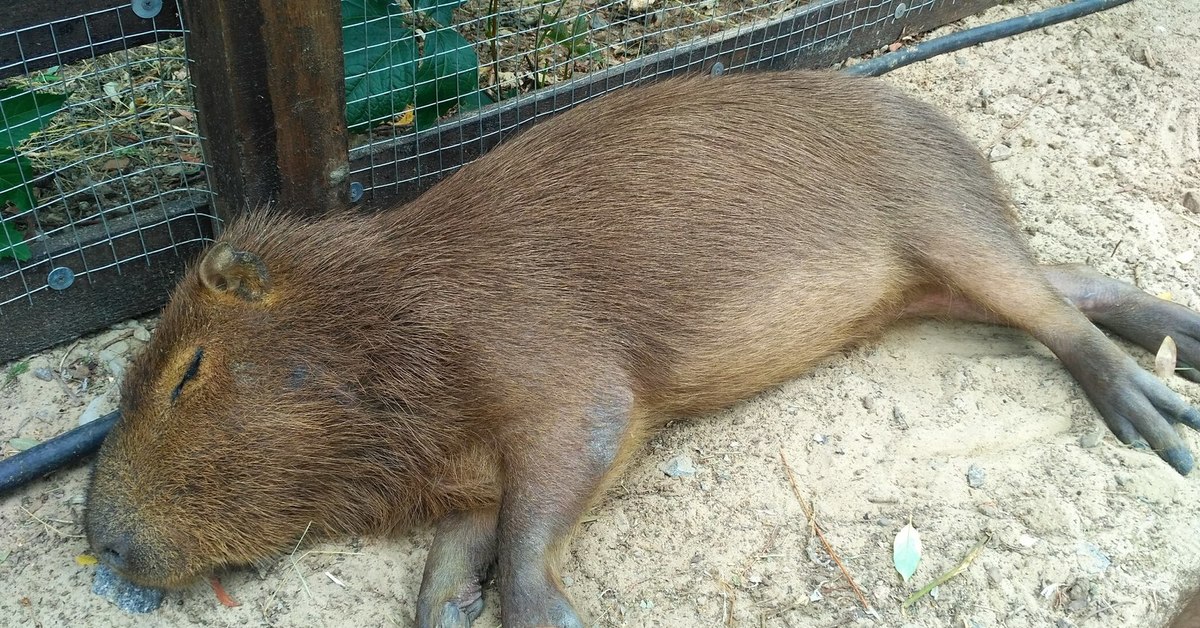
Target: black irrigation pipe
[
  {"x": 978, "y": 35},
  {"x": 58, "y": 452},
  {"x": 83, "y": 441}
]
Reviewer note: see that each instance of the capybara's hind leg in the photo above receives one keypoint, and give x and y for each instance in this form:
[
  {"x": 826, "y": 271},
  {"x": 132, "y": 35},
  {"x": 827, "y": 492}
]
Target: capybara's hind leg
[
  {"x": 1131, "y": 313},
  {"x": 1006, "y": 287},
  {"x": 463, "y": 550},
  {"x": 1115, "y": 305}
]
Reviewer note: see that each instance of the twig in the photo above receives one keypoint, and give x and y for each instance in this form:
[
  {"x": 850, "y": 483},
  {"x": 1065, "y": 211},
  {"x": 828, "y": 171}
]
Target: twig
[
  {"x": 963, "y": 564},
  {"x": 49, "y": 527},
  {"x": 816, "y": 528}
]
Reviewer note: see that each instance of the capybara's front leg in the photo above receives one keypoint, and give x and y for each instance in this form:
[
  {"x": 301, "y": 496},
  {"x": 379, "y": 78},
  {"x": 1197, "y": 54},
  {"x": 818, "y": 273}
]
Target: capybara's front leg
[
  {"x": 552, "y": 474},
  {"x": 463, "y": 550}
]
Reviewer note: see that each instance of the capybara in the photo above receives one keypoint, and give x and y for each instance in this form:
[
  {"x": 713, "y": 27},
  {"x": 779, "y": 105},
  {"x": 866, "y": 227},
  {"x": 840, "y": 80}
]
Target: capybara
[
  {"x": 1189, "y": 615},
  {"x": 490, "y": 354}
]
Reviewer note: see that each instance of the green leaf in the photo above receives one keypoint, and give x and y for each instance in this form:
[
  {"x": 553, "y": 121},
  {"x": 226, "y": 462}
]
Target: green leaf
[
  {"x": 439, "y": 10},
  {"x": 380, "y": 64},
  {"x": 23, "y": 112},
  {"x": 475, "y": 100},
  {"x": 12, "y": 244},
  {"x": 449, "y": 70},
  {"x": 906, "y": 551},
  {"x": 15, "y": 174},
  {"x": 359, "y": 11}
]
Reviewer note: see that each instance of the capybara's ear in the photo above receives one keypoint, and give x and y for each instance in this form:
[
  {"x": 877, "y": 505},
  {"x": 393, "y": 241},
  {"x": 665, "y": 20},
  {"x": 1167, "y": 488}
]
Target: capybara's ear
[{"x": 239, "y": 273}]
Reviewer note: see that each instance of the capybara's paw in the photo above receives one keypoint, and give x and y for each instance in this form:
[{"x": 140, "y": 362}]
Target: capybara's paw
[
  {"x": 1142, "y": 411},
  {"x": 455, "y": 612}
]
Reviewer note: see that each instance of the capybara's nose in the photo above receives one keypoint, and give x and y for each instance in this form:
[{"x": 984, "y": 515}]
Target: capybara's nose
[{"x": 115, "y": 550}]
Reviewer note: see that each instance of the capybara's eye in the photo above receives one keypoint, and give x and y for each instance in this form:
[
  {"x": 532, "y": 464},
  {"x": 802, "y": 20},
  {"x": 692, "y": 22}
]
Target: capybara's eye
[{"x": 191, "y": 371}]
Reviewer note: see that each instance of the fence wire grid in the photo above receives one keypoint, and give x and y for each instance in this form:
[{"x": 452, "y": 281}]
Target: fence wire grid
[
  {"x": 518, "y": 48},
  {"x": 114, "y": 176},
  {"x": 111, "y": 162}
]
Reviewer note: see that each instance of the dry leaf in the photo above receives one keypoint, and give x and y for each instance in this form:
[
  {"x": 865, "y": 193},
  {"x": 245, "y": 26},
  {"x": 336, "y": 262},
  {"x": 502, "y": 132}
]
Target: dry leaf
[
  {"x": 112, "y": 89},
  {"x": 405, "y": 118},
  {"x": 1166, "y": 296},
  {"x": 1164, "y": 362},
  {"x": 116, "y": 163},
  {"x": 85, "y": 560}
]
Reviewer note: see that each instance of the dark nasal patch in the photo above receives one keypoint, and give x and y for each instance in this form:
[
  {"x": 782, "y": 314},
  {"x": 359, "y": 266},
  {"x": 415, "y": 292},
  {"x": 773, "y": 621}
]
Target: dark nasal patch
[
  {"x": 190, "y": 373},
  {"x": 298, "y": 377}
]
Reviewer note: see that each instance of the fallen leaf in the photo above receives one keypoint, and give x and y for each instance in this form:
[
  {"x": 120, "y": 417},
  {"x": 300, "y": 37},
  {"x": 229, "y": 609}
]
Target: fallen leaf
[
  {"x": 1164, "y": 361},
  {"x": 85, "y": 560},
  {"x": 112, "y": 89},
  {"x": 116, "y": 163},
  {"x": 21, "y": 444},
  {"x": 906, "y": 551},
  {"x": 222, "y": 596},
  {"x": 1166, "y": 296},
  {"x": 405, "y": 118}
]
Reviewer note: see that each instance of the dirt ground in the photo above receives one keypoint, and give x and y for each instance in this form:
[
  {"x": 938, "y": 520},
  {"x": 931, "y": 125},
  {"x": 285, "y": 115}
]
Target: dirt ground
[{"x": 1095, "y": 126}]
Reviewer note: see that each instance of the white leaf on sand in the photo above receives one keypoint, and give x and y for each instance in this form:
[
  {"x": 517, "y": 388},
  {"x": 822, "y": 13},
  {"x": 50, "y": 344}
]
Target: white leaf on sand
[
  {"x": 906, "y": 551},
  {"x": 1164, "y": 362}
]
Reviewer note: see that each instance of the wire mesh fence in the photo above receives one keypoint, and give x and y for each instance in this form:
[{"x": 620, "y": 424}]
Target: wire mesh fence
[
  {"x": 408, "y": 66},
  {"x": 95, "y": 155},
  {"x": 103, "y": 185}
]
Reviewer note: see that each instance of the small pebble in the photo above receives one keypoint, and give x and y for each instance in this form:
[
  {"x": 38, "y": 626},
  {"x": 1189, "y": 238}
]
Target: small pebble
[
  {"x": 679, "y": 467},
  {"x": 994, "y": 576},
  {"x": 869, "y": 403},
  {"x": 1000, "y": 152},
  {"x": 128, "y": 596},
  {"x": 1088, "y": 441},
  {"x": 1091, "y": 560},
  {"x": 819, "y": 439},
  {"x": 44, "y": 374},
  {"x": 975, "y": 476},
  {"x": 1191, "y": 200},
  {"x": 141, "y": 334}
]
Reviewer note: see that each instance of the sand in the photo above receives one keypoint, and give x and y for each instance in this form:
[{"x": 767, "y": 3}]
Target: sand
[{"x": 1094, "y": 126}]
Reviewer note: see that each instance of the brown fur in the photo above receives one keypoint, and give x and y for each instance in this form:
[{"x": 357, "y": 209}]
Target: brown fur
[
  {"x": 1189, "y": 615},
  {"x": 512, "y": 336}
]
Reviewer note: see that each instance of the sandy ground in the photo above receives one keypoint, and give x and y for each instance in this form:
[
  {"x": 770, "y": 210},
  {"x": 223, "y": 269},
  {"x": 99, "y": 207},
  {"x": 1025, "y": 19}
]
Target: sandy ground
[{"x": 1094, "y": 124}]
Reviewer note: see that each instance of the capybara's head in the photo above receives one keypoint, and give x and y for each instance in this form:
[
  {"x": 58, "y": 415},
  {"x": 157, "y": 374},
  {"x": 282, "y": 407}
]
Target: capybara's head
[{"x": 235, "y": 436}]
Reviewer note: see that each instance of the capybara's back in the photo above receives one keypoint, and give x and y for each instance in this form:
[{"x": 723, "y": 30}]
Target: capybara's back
[{"x": 490, "y": 353}]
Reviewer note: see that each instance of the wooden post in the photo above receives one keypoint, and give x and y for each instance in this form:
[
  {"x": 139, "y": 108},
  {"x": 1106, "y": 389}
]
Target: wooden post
[{"x": 270, "y": 95}]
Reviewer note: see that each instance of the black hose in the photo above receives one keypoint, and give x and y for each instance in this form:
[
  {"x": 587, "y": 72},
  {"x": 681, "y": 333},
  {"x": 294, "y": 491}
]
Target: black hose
[
  {"x": 58, "y": 452},
  {"x": 978, "y": 35},
  {"x": 85, "y": 440}
]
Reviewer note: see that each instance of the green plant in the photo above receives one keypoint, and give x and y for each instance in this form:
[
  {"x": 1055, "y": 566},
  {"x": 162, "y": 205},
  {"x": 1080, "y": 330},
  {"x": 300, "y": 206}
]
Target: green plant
[
  {"x": 571, "y": 34},
  {"x": 16, "y": 370},
  {"x": 388, "y": 70},
  {"x": 21, "y": 114}
]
